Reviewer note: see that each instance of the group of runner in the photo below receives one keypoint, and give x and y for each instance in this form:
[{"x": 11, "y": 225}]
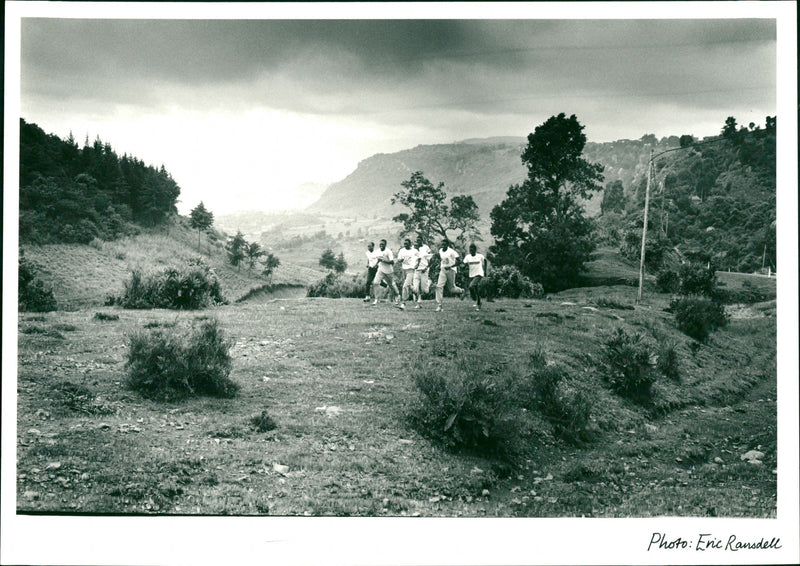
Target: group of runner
[{"x": 415, "y": 263}]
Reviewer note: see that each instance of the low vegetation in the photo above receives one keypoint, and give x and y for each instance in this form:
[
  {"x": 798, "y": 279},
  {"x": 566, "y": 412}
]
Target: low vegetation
[
  {"x": 190, "y": 286},
  {"x": 173, "y": 365},
  {"x": 33, "y": 294},
  {"x": 630, "y": 364},
  {"x": 325, "y": 420},
  {"x": 337, "y": 286},
  {"x": 698, "y": 317}
]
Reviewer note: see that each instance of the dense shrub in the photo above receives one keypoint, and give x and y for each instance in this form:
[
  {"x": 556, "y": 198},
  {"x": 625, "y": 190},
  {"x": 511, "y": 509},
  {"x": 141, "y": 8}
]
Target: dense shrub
[
  {"x": 630, "y": 365},
  {"x": 336, "y": 286},
  {"x": 689, "y": 279},
  {"x": 169, "y": 366},
  {"x": 698, "y": 316},
  {"x": 696, "y": 280},
  {"x": 465, "y": 403},
  {"x": 32, "y": 294},
  {"x": 567, "y": 408},
  {"x": 668, "y": 281},
  {"x": 508, "y": 281},
  {"x": 655, "y": 249},
  {"x": 192, "y": 286}
]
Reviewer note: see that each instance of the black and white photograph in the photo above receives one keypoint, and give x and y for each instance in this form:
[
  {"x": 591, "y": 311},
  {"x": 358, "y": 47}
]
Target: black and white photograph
[{"x": 404, "y": 283}]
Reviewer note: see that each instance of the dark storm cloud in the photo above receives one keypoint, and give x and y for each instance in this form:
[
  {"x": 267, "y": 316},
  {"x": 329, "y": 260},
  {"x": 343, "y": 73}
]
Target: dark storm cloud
[
  {"x": 397, "y": 67},
  {"x": 211, "y": 51}
]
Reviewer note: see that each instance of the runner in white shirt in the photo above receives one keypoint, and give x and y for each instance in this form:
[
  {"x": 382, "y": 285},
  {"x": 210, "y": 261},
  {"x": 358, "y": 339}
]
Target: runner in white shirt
[
  {"x": 422, "y": 282},
  {"x": 386, "y": 271},
  {"x": 447, "y": 273},
  {"x": 409, "y": 257},
  {"x": 477, "y": 270},
  {"x": 372, "y": 269}
]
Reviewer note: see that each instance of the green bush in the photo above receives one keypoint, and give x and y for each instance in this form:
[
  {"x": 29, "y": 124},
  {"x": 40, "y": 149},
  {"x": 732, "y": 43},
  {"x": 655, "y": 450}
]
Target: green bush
[
  {"x": 698, "y": 317},
  {"x": 169, "y": 366},
  {"x": 336, "y": 286},
  {"x": 568, "y": 409},
  {"x": 191, "y": 286},
  {"x": 508, "y": 281},
  {"x": 32, "y": 294},
  {"x": 696, "y": 280},
  {"x": 668, "y": 281},
  {"x": 630, "y": 365},
  {"x": 466, "y": 403}
]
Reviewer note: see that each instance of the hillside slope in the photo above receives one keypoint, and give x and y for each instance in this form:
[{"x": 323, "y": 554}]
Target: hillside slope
[{"x": 84, "y": 275}]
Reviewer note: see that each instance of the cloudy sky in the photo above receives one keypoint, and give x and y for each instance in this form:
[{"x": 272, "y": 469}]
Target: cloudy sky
[{"x": 241, "y": 110}]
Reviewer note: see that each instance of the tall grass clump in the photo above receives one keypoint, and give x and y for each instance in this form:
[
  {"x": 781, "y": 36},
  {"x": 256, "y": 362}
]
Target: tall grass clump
[
  {"x": 173, "y": 365},
  {"x": 630, "y": 362},
  {"x": 698, "y": 317},
  {"x": 667, "y": 362},
  {"x": 466, "y": 403},
  {"x": 567, "y": 408},
  {"x": 191, "y": 286}
]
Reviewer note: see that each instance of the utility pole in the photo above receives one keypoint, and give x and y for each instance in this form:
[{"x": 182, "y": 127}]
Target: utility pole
[
  {"x": 650, "y": 167},
  {"x": 644, "y": 227}
]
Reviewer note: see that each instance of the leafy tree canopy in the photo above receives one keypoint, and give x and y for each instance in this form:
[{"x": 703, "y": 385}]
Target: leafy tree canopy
[
  {"x": 430, "y": 216},
  {"x": 237, "y": 249},
  {"x": 328, "y": 259},
  {"x": 540, "y": 226}
]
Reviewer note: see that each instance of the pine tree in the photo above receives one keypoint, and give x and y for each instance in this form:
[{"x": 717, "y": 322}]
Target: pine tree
[{"x": 201, "y": 220}]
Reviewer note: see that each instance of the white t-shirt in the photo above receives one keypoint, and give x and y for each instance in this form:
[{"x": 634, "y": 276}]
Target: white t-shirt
[
  {"x": 386, "y": 255},
  {"x": 408, "y": 257},
  {"x": 475, "y": 263},
  {"x": 449, "y": 257},
  {"x": 372, "y": 257},
  {"x": 425, "y": 256}
]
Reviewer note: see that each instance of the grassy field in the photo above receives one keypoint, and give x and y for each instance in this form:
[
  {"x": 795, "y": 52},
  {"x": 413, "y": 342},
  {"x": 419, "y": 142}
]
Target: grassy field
[
  {"x": 83, "y": 276},
  {"x": 335, "y": 375}
]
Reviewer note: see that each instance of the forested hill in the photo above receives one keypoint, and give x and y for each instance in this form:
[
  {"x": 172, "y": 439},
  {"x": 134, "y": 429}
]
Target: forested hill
[
  {"x": 714, "y": 200},
  {"x": 72, "y": 194}
]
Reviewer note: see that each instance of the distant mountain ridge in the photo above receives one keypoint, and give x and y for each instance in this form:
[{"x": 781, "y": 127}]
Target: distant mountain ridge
[{"x": 483, "y": 168}]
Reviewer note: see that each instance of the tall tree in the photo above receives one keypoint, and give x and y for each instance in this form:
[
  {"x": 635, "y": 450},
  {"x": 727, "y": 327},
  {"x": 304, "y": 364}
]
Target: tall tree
[
  {"x": 328, "y": 259},
  {"x": 270, "y": 263},
  {"x": 431, "y": 217},
  {"x": 201, "y": 220},
  {"x": 613, "y": 198},
  {"x": 236, "y": 249},
  {"x": 540, "y": 226},
  {"x": 253, "y": 251}
]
